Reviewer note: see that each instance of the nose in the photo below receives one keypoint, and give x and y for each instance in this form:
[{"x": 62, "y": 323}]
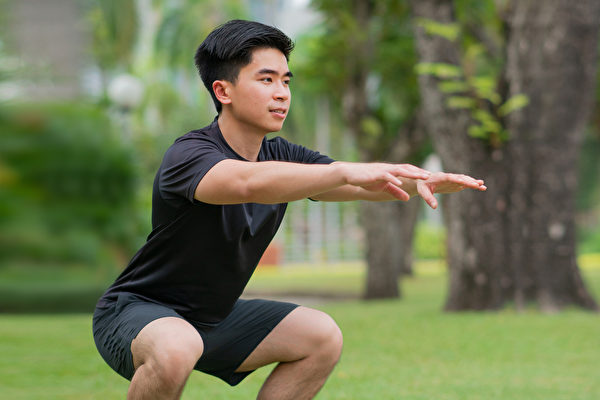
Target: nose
[{"x": 281, "y": 92}]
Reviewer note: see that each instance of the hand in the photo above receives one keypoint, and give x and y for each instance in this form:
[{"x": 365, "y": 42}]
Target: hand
[
  {"x": 441, "y": 182},
  {"x": 382, "y": 177}
]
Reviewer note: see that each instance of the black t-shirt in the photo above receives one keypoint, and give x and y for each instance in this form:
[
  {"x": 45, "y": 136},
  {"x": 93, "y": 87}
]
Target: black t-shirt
[{"x": 199, "y": 257}]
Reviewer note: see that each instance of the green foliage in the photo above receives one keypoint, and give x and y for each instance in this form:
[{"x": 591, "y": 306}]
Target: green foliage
[
  {"x": 68, "y": 185},
  {"x": 473, "y": 85},
  {"x": 485, "y": 88},
  {"x": 160, "y": 53},
  {"x": 114, "y": 31},
  {"x": 184, "y": 24},
  {"x": 458, "y": 102},
  {"x": 514, "y": 103},
  {"x": 439, "y": 70},
  {"x": 447, "y": 31},
  {"x": 342, "y": 50},
  {"x": 371, "y": 127},
  {"x": 451, "y": 87}
]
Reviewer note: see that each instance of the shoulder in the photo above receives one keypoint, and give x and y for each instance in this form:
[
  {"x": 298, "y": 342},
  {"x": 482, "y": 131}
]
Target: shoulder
[
  {"x": 188, "y": 159},
  {"x": 207, "y": 135},
  {"x": 192, "y": 143}
]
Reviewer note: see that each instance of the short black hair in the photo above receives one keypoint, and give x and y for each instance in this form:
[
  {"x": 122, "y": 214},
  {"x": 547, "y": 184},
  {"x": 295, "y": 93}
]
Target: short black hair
[{"x": 228, "y": 48}]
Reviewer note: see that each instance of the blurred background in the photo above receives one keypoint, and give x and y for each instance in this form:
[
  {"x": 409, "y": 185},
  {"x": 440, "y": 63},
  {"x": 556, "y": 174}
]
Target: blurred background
[{"x": 92, "y": 92}]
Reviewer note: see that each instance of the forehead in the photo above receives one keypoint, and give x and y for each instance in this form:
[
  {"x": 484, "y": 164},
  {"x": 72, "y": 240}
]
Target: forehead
[{"x": 267, "y": 58}]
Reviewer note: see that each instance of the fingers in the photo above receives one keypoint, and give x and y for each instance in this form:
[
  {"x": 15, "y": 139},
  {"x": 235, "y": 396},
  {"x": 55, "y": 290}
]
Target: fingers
[
  {"x": 409, "y": 171},
  {"x": 466, "y": 181},
  {"x": 396, "y": 192},
  {"x": 427, "y": 195},
  {"x": 362, "y": 174},
  {"x": 390, "y": 178},
  {"x": 478, "y": 184}
]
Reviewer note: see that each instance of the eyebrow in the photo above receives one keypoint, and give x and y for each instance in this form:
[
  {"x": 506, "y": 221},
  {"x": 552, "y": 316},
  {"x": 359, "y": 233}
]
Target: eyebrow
[{"x": 273, "y": 72}]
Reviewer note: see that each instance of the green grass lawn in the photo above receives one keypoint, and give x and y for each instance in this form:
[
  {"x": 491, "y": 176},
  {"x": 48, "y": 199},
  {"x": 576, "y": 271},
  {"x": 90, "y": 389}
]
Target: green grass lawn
[{"x": 406, "y": 349}]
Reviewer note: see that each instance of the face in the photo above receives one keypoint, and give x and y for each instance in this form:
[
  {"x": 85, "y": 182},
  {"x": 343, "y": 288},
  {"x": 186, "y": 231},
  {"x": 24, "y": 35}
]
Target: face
[{"x": 260, "y": 98}]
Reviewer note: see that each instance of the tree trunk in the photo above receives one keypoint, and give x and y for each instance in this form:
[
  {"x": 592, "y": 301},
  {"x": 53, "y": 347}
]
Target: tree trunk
[
  {"x": 383, "y": 253},
  {"x": 389, "y": 226},
  {"x": 516, "y": 242},
  {"x": 551, "y": 56}
]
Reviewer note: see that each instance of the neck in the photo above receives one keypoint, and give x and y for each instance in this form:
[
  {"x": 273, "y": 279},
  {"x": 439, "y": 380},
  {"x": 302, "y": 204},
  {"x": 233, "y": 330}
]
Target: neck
[{"x": 245, "y": 140}]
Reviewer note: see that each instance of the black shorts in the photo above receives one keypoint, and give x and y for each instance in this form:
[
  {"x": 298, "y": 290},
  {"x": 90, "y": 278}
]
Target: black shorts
[{"x": 226, "y": 344}]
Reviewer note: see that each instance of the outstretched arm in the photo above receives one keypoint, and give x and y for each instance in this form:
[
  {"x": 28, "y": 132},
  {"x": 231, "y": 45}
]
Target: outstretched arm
[{"x": 233, "y": 181}]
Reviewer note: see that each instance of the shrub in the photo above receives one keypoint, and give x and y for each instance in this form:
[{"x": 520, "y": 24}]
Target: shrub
[{"x": 68, "y": 184}]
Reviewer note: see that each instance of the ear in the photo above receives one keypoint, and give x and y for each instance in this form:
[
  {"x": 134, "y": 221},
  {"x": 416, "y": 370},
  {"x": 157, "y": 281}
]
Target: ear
[{"x": 221, "y": 91}]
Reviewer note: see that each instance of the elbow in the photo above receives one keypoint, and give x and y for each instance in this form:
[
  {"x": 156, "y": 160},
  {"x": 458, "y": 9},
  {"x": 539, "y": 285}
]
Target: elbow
[
  {"x": 245, "y": 189},
  {"x": 252, "y": 191},
  {"x": 246, "y": 193}
]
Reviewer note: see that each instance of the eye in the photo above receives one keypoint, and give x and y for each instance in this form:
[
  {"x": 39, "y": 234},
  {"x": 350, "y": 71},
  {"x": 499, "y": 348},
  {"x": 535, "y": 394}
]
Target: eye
[
  {"x": 286, "y": 82},
  {"x": 266, "y": 80}
]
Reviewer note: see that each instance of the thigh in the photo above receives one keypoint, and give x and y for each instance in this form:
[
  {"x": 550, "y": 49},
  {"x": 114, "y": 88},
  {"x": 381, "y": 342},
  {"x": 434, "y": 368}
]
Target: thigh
[
  {"x": 167, "y": 340},
  {"x": 297, "y": 336},
  {"x": 228, "y": 343},
  {"x": 116, "y": 326}
]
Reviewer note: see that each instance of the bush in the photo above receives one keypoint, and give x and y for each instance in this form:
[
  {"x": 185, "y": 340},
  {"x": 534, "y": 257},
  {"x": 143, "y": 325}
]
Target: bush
[{"x": 69, "y": 185}]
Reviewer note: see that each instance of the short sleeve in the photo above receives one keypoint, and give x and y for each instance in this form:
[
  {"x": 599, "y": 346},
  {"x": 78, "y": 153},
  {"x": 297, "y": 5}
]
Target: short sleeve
[{"x": 185, "y": 163}]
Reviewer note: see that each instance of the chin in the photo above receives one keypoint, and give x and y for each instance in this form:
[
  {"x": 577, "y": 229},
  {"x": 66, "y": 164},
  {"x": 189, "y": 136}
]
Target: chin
[{"x": 275, "y": 127}]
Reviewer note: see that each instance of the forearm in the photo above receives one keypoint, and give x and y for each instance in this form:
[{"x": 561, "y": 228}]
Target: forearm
[
  {"x": 281, "y": 182},
  {"x": 268, "y": 182}
]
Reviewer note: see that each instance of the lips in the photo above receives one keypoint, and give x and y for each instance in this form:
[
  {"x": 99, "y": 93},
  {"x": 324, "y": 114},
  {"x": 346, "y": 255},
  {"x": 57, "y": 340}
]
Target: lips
[{"x": 279, "y": 111}]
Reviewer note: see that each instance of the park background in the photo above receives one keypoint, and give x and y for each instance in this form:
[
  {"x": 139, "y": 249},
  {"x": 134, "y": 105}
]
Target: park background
[{"x": 492, "y": 297}]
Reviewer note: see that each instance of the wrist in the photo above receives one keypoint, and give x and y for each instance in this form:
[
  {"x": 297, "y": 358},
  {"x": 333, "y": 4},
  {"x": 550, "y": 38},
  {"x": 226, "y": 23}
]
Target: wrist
[{"x": 340, "y": 171}]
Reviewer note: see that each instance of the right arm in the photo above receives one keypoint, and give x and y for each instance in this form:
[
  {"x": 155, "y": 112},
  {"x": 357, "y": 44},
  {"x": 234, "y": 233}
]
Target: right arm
[{"x": 234, "y": 182}]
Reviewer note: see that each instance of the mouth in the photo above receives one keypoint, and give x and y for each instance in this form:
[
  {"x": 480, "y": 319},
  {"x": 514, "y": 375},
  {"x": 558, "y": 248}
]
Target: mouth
[{"x": 281, "y": 112}]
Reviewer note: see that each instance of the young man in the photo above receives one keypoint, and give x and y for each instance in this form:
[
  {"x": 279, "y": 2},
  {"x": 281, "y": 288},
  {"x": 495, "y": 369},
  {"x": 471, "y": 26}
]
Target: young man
[{"x": 219, "y": 197}]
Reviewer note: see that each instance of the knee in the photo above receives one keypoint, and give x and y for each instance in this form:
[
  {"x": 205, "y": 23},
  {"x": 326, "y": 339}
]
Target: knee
[
  {"x": 171, "y": 367},
  {"x": 328, "y": 338},
  {"x": 165, "y": 353}
]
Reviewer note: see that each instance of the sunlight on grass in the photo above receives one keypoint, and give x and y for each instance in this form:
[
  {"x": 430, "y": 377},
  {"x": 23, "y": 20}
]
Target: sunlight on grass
[{"x": 393, "y": 349}]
